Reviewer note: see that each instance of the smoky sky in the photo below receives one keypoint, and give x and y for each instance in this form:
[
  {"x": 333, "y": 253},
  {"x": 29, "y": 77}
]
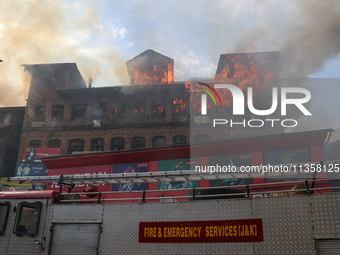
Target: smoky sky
[{"x": 101, "y": 37}]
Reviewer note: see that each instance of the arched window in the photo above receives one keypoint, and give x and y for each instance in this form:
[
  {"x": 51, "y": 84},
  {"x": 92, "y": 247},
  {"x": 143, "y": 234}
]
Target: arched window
[
  {"x": 53, "y": 143},
  {"x": 35, "y": 143},
  {"x": 75, "y": 145},
  {"x": 179, "y": 139},
  {"x": 117, "y": 144},
  {"x": 202, "y": 138},
  {"x": 158, "y": 141},
  {"x": 97, "y": 144},
  {"x": 137, "y": 142}
]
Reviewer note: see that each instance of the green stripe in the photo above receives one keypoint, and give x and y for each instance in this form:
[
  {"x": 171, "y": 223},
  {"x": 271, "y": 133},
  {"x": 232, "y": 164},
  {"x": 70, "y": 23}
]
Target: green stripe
[{"x": 209, "y": 95}]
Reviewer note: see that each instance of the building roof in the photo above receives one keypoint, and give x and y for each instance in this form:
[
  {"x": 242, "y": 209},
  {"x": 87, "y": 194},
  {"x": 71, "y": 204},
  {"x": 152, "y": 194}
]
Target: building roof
[
  {"x": 243, "y": 59},
  {"x": 48, "y": 66},
  {"x": 142, "y": 90},
  {"x": 148, "y": 53},
  {"x": 46, "y": 69},
  {"x": 12, "y": 109},
  {"x": 246, "y": 145}
]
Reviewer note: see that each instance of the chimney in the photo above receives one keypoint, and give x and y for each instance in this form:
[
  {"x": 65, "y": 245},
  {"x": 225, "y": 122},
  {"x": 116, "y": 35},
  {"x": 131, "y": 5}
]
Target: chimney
[{"x": 90, "y": 83}]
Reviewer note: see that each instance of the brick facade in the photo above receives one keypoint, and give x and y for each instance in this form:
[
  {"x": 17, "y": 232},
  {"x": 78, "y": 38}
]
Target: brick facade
[
  {"x": 61, "y": 107},
  {"x": 68, "y": 95}
]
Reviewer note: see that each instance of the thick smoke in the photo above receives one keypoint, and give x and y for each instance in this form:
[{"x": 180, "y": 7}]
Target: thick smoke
[
  {"x": 314, "y": 40},
  {"x": 101, "y": 38},
  {"x": 310, "y": 37},
  {"x": 195, "y": 33},
  {"x": 37, "y": 31}
]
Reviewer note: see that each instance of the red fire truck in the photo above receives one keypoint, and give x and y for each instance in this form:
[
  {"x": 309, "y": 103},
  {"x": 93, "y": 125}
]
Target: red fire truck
[{"x": 206, "y": 220}]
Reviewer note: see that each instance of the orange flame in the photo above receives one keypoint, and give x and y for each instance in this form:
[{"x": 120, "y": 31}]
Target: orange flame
[
  {"x": 159, "y": 73},
  {"x": 179, "y": 105},
  {"x": 244, "y": 70},
  {"x": 159, "y": 108},
  {"x": 139, "y": 110}
]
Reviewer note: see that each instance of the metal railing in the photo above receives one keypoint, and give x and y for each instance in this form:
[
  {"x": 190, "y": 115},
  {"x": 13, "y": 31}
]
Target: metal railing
[{"x": 248, "y": 191}]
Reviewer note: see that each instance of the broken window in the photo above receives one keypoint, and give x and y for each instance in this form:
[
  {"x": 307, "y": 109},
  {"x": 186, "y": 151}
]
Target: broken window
[
  {"x": 35, "y": 143},
  {"x": 119, "y": 111},
  {"x": 28, "y": 217},
  {"x": 137, "y": 143},
  {"x": 78, "y": 112},
  {"x": 78, "y": 115},
  {"x": 97, "y": 144},
  {"x": 117, "y": 144},
  {"x": 179, "y": 139},
  {"x": 138, "y": 111},
  {"x": 158, "y": 141},
  {"x": 53, "y": 143},
  {"x": 178, "y": 107},
  {"x": 57, "y": 113},
  {"x": 39, "y": 113},
  {"x": 158, "y": 109},
  {"x": 99, "y": 111},
  {"x": 75, "y": 145}
]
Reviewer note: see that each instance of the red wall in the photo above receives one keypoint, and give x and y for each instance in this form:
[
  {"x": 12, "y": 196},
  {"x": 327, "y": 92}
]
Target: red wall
[{"x": 316, "y": 154}]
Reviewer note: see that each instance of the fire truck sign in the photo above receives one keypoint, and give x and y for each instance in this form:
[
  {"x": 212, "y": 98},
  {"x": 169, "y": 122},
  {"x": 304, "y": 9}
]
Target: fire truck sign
[{"x": 227, "y": 231}]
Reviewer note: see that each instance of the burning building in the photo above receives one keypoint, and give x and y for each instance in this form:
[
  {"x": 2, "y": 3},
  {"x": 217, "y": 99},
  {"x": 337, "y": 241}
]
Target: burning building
[
  {"x": 62, "y": 111},
  {"x": 247, "y": 65},
  {"x": 150, "y": 67},
  {"x": 256, "y": 70}
]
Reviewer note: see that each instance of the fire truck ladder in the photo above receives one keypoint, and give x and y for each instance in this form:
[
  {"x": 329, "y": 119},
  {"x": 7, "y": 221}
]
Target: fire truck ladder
[
  {"x": 306, "y": 172},
  {"x": 301, "y": 170},
  {"x": 201, "y": 173}
]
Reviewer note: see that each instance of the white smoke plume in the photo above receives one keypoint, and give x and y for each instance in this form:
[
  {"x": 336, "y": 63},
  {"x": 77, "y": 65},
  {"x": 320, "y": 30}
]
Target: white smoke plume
[
  {"x": 38, "y": 31},
  {"x": 101, "y": 37}
]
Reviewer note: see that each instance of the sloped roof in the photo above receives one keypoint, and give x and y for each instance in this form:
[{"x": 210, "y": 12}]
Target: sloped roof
[{"x": 149, "y": 54}]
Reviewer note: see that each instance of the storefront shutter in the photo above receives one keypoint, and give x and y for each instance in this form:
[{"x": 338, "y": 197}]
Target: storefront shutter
[
  {"x": 75, "y": 239},
  {"x": 328, "y": 246}
]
